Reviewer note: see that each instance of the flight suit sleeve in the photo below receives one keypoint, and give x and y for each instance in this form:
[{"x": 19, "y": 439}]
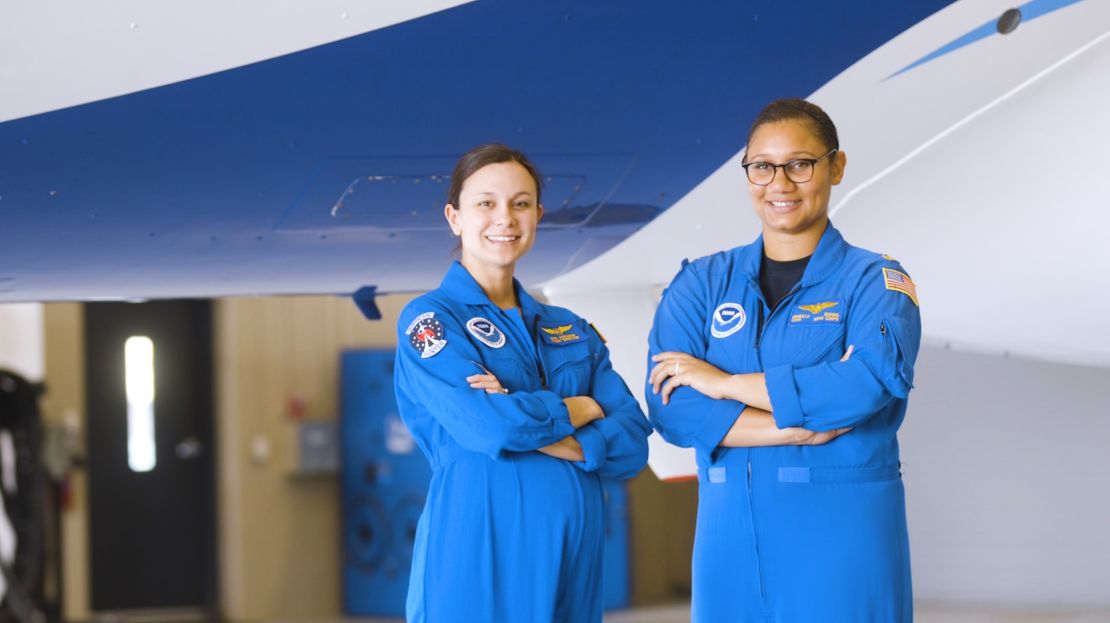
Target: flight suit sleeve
[
  {"x": 690, "y": 419},
  {"x": 884, "y": 326},
  {"x": 477, "y": 420},
  {"x": 616, "y": 445}
]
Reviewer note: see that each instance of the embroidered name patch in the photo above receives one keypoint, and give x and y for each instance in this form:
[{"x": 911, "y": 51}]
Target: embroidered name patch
[
  {"x": 486, "y": 332},
  {"x": 728, "y": 318},
  {"x": 825, "y": 312},
  {"x": 559, "y": 335},
  {"x": 900, "y": 282},
  {"x": 426, "y": 335}
]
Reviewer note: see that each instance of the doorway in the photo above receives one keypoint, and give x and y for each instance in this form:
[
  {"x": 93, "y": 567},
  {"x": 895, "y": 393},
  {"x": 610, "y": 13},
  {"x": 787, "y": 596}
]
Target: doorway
[{"x": 149, "y": 403}]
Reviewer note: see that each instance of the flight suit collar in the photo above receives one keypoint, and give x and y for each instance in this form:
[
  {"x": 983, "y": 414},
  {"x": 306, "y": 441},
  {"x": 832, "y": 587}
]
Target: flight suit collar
[
  {"x": 460, "y": 285},
  {"x": 826, "y": 258}
]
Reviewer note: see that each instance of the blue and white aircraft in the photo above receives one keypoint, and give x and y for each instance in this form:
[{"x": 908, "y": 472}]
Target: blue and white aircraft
[
  {"x": 210, "y": 149},
  {"x": 153, "y": 150}
]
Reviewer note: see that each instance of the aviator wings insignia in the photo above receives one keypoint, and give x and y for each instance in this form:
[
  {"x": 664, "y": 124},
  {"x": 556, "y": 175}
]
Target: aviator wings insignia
[{"x": 817, "y": 308}]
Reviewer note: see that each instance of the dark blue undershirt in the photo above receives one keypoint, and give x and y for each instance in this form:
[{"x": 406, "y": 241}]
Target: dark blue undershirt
[{"x": 776, "y": 279}]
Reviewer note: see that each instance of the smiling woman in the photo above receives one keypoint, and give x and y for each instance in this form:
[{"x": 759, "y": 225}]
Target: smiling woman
[
  {"x": 519, "y": 412},
  {"x": 494, "y": 207},
  {"x": 786, "y": 364}
]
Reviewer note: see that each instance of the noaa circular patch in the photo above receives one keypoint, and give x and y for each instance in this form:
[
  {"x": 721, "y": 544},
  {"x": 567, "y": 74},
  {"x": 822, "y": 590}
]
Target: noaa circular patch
[
  {"x": 728, "y": 318},
  {"x": 486, "y": 332},
  {"x": 426, "y": 335}
]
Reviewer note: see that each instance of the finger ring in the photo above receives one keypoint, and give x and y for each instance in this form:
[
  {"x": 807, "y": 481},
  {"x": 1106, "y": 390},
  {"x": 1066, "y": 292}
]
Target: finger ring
[{"x": 676, "y": 368}]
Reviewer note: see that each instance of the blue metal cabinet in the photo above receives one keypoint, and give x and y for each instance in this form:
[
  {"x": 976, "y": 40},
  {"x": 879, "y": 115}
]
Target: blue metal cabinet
[{"x": 384, "y": 481}]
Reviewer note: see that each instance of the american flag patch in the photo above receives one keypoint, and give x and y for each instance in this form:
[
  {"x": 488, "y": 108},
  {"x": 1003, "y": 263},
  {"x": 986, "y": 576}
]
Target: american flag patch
[{"x": 900, "y": 282}]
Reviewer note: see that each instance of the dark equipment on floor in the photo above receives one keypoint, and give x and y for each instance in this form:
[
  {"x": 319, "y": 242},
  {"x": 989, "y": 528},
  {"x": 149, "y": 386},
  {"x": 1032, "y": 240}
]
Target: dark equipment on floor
[{"x": 23, "y": 484}]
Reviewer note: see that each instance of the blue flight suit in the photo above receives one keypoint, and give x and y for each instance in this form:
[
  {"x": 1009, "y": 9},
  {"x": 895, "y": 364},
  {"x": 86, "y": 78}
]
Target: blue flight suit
[
  {"x": 797, "y": 534},
  {"x": 508, "y": 533}
]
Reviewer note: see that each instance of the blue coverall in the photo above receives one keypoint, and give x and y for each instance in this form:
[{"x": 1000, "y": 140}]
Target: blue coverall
[
  {"x": 797, "y": 534},
  {"x": 508, "y": 533}
]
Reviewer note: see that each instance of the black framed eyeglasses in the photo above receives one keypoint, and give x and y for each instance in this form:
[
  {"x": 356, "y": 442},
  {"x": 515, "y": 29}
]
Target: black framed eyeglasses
[{"x": 798, "y": 170}]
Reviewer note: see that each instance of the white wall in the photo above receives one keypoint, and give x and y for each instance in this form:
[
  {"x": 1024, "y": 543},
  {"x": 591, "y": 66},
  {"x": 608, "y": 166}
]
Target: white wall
[
  {"x": 1006, "y": 464},
  {"x": 21, "y": 339},
  {"x": 624, "y": 317},
  {"x": 1007, "y": 474}
]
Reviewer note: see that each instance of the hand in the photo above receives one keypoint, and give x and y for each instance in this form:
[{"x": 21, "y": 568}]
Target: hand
[
  {"x": 803, "y": 437},
  {"x": 566, "y": 448},
  {"x": 673, "y": 370},
  {"x": 487, "y": 382},
  {"x": 582, "y": 410}
]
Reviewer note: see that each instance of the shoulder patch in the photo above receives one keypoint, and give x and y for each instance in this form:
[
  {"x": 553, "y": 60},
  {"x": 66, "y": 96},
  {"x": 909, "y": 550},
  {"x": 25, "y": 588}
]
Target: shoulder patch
[
  {"x": 486, "y": 332},
  {"x": 900, "y": 282},
  {"x": 426, "y": 334}
]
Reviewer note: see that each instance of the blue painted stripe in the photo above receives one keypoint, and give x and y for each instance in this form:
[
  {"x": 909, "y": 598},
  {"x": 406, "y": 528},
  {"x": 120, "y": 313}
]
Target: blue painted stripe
[{"x": 1029, "y": 12}]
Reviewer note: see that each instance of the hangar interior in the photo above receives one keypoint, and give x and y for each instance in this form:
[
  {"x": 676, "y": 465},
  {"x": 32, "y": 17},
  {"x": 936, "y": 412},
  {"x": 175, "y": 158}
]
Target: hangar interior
[
  {"x": 221, "y": 178},
  {"x": 1006, "y": 519}
]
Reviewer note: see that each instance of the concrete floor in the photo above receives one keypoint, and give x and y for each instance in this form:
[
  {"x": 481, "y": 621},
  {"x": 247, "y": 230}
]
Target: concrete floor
[
  {"x": 924, "y": 613},
  {"x": 680, "y": 613}
]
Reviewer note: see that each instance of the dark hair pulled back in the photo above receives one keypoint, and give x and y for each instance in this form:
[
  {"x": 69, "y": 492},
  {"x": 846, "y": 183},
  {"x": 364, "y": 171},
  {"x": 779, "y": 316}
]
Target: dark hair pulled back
[
  {"x": 482, "y": 155},
  {"x": 790, "y": 109}
]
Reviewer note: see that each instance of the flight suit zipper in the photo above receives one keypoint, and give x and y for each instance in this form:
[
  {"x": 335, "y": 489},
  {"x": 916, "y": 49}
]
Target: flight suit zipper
[
  {"x": 761, "y": 324},
  {"x": 755, "y": 533},
  {"x": 886, "y": 367},
  {"x": 519, "y": 322},
  {"x": 540, "y": 371},
  {"x": 539, "y": 358}
]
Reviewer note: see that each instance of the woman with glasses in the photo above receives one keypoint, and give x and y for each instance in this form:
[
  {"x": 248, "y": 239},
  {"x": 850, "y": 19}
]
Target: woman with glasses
[
  {"x": 786, "y": 364},
  {"x": 519, "y": 412}
]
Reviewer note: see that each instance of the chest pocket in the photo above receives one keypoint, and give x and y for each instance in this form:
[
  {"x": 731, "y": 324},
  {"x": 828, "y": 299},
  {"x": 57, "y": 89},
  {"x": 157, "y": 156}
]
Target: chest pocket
[
  {"x": 734, "y": 354},
  {"x": 570, "y": 369},
  {"x": 897, "y": 368},
  {"x": 515, "y": 374},
  {"x": 815, "y": 333},
  {"x": 730, "y": 333},
  {"x": 816, "y": 345}
]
